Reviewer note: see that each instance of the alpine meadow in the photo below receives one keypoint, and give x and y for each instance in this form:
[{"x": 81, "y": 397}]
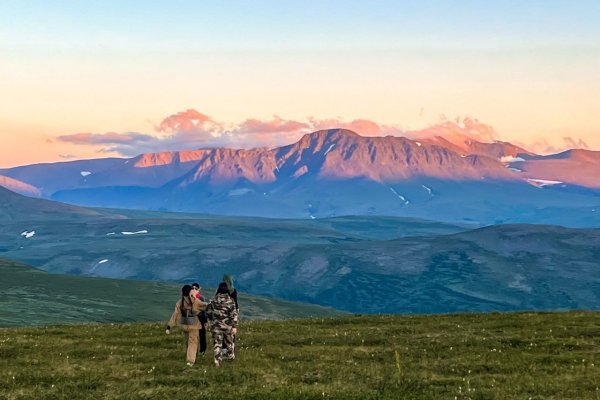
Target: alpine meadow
[{"x": 300, "y": 200}]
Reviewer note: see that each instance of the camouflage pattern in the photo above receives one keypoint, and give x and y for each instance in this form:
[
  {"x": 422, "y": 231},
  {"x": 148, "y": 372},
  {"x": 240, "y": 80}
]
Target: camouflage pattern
[
  {"x": 224, "y": 316},
  {"x": 221, "y": 338}
]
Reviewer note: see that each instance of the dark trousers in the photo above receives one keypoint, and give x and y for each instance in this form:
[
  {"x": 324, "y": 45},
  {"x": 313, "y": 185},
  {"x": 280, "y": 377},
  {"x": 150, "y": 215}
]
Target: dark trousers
[{"x": 202, "y": 339}]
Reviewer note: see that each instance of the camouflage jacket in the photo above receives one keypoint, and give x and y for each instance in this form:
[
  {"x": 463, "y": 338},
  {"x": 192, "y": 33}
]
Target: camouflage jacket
[{"x": 222, "y": 312}]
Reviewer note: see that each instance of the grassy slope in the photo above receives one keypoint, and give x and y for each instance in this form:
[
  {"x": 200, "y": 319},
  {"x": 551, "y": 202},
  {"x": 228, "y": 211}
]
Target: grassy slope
[
  {"x": 32, "y": 297},
  {"x": 468, "y": 356}
]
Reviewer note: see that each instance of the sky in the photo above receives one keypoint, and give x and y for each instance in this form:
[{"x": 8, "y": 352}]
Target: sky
[{"x": 117, "y": 78}]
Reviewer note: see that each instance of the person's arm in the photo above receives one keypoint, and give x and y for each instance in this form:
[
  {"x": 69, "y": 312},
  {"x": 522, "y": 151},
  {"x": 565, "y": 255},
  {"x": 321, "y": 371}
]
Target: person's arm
[
  {"x": 202, "y": 305},
  {"x": 234, "y": 297},
  {"x": 209, "y": 311},
  {"x": 174, "y": 317},
  {"x": 234, "y": 317}
]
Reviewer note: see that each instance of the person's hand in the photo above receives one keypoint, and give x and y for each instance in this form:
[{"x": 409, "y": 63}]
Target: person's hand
[{"x": 234, "y": 331}]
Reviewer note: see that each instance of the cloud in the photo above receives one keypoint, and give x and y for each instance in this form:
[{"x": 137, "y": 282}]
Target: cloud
[
  {"x": 276, "y": 125},
  {"x": 575, "y": 143},
  {"x": 191, "y": 129},
  {"x": 456, "y": 131},
  {"x": 67, "y": 156},
  {"x": 268, "y": 133},
  {"x": 129, "y": 138},
  {"x": 189, "y": 121},
  {"x": 544, "y": 147},
  {"x": 539, "y": 146},
  {"x": 364, "y": 127}
]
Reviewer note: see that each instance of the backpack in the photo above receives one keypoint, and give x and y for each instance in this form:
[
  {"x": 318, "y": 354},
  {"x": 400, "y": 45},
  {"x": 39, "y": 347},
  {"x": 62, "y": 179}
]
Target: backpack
[{"x": 187, "y": 316}]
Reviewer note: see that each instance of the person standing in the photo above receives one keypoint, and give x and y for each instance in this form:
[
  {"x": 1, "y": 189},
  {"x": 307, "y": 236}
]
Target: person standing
[
  {"x": 228, "y": 279},
  {"x": 224, "y": 318},
  {"x": 203, "y": 321},
  {"x": 186, "y": 314}
]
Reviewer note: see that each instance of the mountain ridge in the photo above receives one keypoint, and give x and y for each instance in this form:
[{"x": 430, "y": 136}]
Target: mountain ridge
[{"x": 339, "y": 172}]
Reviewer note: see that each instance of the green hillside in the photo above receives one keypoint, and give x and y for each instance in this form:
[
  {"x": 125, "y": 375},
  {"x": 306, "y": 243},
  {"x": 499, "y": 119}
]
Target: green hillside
[
  {"x": 29, "y": 296},
  {"x": 468, "y": 356},
  {"x": 346, "y": 263}
]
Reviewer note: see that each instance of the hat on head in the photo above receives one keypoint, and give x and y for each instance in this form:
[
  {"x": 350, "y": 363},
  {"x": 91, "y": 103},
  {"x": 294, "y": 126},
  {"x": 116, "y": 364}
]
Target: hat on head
[{"x": 223, "y": 289}]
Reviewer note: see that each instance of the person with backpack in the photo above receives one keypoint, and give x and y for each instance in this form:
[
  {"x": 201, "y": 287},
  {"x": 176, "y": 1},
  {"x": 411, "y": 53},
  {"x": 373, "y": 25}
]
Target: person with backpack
[
  {"x": 223, "y": 315},
  {"x": 203, "y": 321},
  {"x": 186, "y": 314}
]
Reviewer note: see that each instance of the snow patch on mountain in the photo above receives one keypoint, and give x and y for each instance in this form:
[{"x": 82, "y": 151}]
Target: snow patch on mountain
[
  {"x": 511, "y": 159},
  {"x": 543, "y": 182},
  {"x": 85, "y": 173},
  {"x": 28, "y": 234},
  {"x": 134, "y": 233},
  {"x": 406, "y": 202},
  {"x": 329, "y": 149},
  {"x": 429, "y": 190},
  {"x": 99, "y": 263}
]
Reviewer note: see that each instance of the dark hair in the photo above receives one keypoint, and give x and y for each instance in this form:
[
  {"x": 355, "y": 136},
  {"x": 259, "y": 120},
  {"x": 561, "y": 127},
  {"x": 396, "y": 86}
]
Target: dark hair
[
  {"x": 185, "y": 294},
  {"x": 196, "y": 284},
  {"x": 222, "y": 289}
]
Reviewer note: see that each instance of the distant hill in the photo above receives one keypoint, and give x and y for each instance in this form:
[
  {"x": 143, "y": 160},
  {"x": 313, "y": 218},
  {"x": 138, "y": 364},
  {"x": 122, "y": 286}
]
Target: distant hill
[
  {"x": 442, "y": 173},
  {"x": 573, "y": 167},
  {"x": 29, "y": 296},
  {"x": 17, "y": 208},
  {"x": 357, "y": 264},
  {"x": 19, "y": 187}
]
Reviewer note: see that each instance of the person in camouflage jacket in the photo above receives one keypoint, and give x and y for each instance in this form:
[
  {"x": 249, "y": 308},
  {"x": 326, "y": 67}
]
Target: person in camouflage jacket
[{"x": 223, "y": 315}]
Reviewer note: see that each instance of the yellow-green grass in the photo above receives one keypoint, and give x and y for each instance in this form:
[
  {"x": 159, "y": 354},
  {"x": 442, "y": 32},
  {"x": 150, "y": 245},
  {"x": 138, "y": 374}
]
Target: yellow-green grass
[{"x": 463, "y": 356}]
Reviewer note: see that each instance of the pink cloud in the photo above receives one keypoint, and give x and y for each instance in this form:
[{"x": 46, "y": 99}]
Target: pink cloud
[
  {"x": 188, "y": 121},
  {"x": 576, "y": 143},
  {"x": 191, "y": 129},
  {"x": 130, "y": 138},
  {"x": 543, "y": 146},
  {"x": 364, "y": 127},
  {"x": 276, "y": 125},
  {"x": 539, "y": 146},
  {"x": 457, "y": 129}
]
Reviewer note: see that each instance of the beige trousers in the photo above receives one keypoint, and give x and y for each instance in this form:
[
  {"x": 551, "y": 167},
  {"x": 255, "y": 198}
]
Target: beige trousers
[{"x": 191, "y": 343}]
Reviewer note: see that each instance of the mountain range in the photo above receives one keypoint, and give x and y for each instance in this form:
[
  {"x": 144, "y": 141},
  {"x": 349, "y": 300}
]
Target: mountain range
[{"x": 442, "y": 174}]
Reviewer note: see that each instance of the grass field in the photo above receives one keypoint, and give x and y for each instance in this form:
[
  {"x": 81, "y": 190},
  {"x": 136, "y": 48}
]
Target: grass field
[{"x": 464, "y": 356}]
